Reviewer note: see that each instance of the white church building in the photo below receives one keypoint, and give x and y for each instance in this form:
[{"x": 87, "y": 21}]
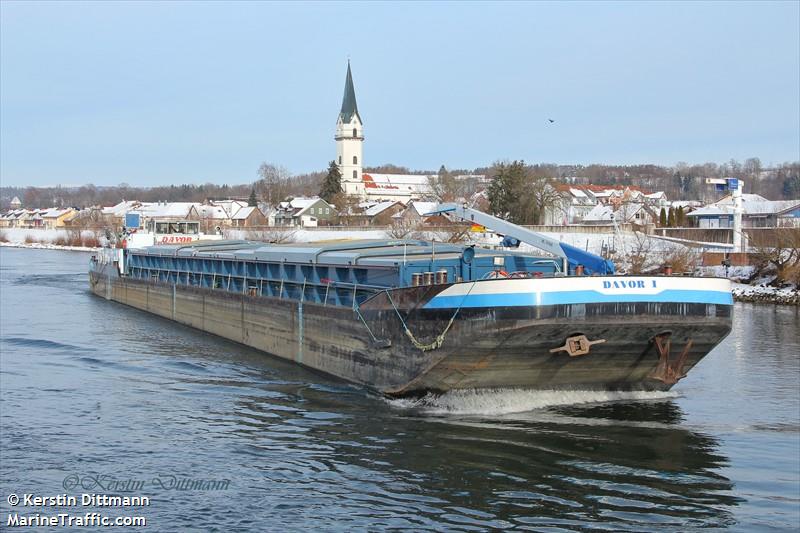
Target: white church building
[{"x": 350, "y": 158}]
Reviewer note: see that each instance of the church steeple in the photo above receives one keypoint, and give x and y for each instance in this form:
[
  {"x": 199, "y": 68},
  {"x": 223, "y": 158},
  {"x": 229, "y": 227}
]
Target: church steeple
[
  {"x": 349, "y": 140},
  {"x": 349, "y": 105}
]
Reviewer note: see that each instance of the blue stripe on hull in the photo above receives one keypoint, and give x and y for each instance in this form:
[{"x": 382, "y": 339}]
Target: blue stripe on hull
[{"x": 576, "y": 297}]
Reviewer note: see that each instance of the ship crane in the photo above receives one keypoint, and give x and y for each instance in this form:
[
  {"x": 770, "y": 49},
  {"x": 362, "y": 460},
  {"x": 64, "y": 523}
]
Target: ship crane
[{"x": 570, "y": 256}]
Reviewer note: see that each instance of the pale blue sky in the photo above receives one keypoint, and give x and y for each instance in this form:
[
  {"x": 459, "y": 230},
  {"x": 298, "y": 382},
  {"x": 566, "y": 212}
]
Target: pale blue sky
[{"x": 159, "y": 93}]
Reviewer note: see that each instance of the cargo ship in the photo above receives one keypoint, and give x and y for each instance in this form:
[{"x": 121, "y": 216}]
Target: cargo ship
[{"x": 407, "y": 317}]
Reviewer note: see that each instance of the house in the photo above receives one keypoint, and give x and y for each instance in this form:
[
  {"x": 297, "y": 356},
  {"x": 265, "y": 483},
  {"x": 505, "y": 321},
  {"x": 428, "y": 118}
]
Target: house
[
  {"x": 247, "y": 217},
  {"x": 377, "y": 213},
  {"x": 305, "y": 212},
  {"x": 10, "y": 219},
  {"x": 415, "y": 212},
  {"x": 577, "y": 201},
  {"x": 115, "y": 214},
  {"x": 168, "y": 211},
  {"x": 757, "y": 212},
  {"x": 212, "y": 217},
  {"x": 15, "y": 203},
  {"x": 627, "y": 213},
  {"x": 29, "y": 218},
  {"x": 57, "y": 218},
  {"x": 573, "y": 205}
]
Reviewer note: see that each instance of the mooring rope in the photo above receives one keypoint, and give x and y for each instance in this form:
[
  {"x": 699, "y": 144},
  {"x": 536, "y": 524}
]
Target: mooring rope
[
  {"x": 358, "y": 312},
  {"x": 439, "y": 340}
]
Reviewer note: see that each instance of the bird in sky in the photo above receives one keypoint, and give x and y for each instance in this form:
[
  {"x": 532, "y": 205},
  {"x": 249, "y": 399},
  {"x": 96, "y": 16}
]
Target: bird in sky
[{"x": 551, "y": 120}]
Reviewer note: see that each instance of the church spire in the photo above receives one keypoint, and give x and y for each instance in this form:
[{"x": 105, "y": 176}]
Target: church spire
[{"x": 349, "y": 106}]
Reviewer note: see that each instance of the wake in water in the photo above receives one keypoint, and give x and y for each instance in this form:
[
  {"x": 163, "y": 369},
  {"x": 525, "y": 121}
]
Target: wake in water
[{"x": 508, "y": 401}]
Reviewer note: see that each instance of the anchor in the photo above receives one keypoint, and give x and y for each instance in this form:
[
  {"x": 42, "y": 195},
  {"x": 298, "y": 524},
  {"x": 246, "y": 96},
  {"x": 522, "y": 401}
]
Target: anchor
[
  {"x": 577, "y": 345},
  {"x": 666, "y": 372}
]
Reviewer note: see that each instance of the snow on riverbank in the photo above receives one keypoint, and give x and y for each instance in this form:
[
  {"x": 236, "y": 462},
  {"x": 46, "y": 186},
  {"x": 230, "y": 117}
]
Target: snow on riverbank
[
  {"x": 47, "y": 246},
  {"x": 765, "y": 294}
]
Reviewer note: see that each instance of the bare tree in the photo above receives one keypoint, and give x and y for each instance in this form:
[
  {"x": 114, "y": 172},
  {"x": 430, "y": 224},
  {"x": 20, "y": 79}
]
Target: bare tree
[
  {"x": 273, "y": 184},
  {"x": 445, "y": 187},
  {"x": 275, "y": 235},
  {"x": 779, "y": 250},
  {"x": 403, "y": 229}
]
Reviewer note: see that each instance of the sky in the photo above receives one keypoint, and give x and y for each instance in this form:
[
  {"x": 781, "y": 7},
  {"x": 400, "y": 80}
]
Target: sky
[{"x": 155, "y": 93}]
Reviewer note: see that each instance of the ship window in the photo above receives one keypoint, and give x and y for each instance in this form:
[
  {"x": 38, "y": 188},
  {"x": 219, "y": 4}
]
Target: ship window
[
  {"x": 355, "y": 132},
  {"x": 355, "y": 159}
]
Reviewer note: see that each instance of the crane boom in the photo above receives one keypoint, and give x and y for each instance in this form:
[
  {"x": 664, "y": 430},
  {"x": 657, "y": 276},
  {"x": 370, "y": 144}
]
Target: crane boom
[{"x": 570, "y": 255}]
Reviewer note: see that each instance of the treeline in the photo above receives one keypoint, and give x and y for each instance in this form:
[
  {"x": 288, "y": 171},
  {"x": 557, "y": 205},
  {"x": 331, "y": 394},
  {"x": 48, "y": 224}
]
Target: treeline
[
  {"x": 682, "y": 181},
  {"x": 274, "y": 183}
]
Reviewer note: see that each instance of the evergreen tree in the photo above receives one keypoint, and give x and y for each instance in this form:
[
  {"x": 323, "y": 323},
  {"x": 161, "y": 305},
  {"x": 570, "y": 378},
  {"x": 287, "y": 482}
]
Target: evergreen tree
[
  {"x": 680, "y": 217},
  {"x": 662, "y": 217},
  {"x": 506, "y": 192},
  {"x": 332, "y": 184},
  {"x": 791, "y": 188},
  {"x": 671, "y": 218},
  {"x": 252, "y": 201}
]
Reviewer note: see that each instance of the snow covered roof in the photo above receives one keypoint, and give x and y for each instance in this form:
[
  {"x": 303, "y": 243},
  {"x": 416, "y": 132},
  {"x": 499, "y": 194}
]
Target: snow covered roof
[
  {"x": 55, "y": 212},
  {"x": 686, "y": 203},
  {"x": 751, "y": 208},
  {"x": 230, "y": 206},
  {"x": 243, "y": 213},
  {"x": 711, "y": 210},
  {"x": 728, "y": 200},
  {"x": 424, "y": 208},
  {"x": 166, "y": 210},
  {"x": 301, "y": 203},
  {"x": 379, "y": 208},
  {"x": 121, "y": 208},
  {"x": 396, "y": 183},
  {"x": 770, "y": 207},
  {"x": 212, "y": 212},
  {"x": 598, "y": 213},
  {"x": 605, "y": 213}
]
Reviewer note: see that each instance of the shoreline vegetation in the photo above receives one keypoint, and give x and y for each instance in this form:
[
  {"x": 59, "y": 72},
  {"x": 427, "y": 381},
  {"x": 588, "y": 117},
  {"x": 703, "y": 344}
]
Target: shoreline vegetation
[{"x": 760, "y": 292}]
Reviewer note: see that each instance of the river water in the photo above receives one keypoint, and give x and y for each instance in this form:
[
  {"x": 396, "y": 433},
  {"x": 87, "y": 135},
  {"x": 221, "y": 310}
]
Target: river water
[{"x": 101, "y": 398}]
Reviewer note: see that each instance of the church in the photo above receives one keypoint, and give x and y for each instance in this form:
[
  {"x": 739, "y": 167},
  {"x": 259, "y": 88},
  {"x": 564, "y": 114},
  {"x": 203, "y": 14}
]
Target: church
[{"x": 350, "y": 158}]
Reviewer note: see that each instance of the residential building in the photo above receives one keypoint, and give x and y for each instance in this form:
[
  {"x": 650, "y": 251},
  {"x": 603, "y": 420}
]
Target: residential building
[
  {"x": 636, "y": 213},
  {"x": 416, "y": 212},
  {"x": 247, "y": 217},
  {"x": 376, "y": 213},
  {"x": 305, "y": 212},
  {"x": 57, "y": 218},
  {"x": 757, "y": 212}
]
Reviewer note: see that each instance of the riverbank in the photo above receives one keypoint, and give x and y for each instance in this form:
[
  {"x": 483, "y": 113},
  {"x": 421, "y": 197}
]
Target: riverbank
[
  {"x": 764, "y": 294},
  {"x": 47, "y": 246}
]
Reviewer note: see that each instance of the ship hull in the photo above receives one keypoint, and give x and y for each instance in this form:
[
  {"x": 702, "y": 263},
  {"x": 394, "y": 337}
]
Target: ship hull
[{"x": 437, "y": 338}]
